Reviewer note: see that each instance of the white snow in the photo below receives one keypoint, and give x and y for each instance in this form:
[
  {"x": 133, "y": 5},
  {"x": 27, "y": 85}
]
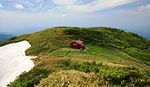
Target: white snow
[{"x": 14, "y": 62}]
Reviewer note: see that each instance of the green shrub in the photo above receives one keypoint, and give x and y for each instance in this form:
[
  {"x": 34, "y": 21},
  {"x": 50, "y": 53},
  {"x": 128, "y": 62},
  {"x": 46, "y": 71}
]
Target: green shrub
[
  {"x": 116, "y": 76},
  {"x": 30, "y": 79}
]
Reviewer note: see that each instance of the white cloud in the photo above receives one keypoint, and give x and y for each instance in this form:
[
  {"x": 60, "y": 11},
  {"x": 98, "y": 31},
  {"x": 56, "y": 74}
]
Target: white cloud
[
  {"x": 1, "y": 6},
  {"x": 144, "y": 7},
  {"x": 73, "y": 7},
  {"x": 22, "y": 21},
  {"x": 19, "y": 6},
  {"x": 64, "y": 15},
  {"x": 69, "y": 6},
  {"x": 101, "y": 5},
  {"x": 143, "y": 10},
  {"x": 64, "y": 2}
]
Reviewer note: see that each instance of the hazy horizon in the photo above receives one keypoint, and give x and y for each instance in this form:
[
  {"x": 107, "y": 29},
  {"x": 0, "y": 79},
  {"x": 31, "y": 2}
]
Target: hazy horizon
[
  {"x": 26, "y": 16},
  {"x": 144, "y": 33}
]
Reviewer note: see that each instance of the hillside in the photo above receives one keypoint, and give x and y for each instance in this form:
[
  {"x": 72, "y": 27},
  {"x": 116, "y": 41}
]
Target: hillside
[
  {"x": 112, "y": 58},
  {"x": 5, "y": 37}
]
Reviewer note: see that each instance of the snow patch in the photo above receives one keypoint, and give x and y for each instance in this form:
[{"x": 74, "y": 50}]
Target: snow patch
[{"x": 14, "y": 62}]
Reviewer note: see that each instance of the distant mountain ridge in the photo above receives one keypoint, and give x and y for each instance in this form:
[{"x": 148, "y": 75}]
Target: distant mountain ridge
[{"x": 5, "y": 37}]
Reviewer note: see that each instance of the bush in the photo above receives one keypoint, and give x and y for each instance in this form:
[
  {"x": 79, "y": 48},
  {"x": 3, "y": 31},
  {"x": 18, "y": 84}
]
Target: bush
[
  {"x": 30, "y": 79},
  {"x": 114, "y": 75}
]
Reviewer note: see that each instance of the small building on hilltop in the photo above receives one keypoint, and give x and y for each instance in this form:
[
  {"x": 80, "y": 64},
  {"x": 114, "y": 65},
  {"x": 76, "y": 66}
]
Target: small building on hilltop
[{"x": 78, "y": 44}]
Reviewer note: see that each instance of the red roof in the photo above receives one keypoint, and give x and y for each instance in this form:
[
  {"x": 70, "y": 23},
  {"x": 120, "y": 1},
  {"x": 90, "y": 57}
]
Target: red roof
[
  {"x": 78, "y": 44},
  {"x": 79, "y": 41}
]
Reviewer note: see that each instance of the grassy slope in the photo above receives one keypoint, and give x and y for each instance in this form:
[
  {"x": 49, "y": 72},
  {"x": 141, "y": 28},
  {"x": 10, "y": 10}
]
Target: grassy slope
[
  {"x": 130, "y": 43},
  {"x": 112, "y": 47}
]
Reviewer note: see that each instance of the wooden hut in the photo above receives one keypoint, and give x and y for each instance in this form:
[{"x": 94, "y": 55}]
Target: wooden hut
[{"x": 78, "y": 44}]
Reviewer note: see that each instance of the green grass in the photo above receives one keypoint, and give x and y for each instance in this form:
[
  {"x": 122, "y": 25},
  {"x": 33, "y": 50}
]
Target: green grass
[
  {"x": 108, "y": 56},
  {"x": 93, "y": 74},
  {"x": 110, "y": 37},
  {"x": 43, "y": 42},
  {"x": 118, "y": 51}
]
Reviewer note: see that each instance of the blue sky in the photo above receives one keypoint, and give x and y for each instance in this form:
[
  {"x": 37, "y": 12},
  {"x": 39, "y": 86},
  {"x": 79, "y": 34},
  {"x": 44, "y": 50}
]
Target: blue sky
[{"x": 23, "y": 16}]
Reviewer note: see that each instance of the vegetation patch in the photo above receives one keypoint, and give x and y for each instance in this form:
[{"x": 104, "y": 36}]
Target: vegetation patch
[
  {"x": 114, "y": 75},
  {"x": 72, "y": 78},
  {"x": 31, "y": 78},
  {"x": 130, "y": 43}
]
